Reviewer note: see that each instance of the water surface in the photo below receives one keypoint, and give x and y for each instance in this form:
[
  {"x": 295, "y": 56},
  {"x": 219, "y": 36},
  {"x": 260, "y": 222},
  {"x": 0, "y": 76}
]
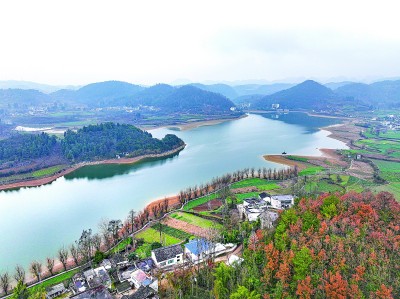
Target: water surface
[{"x": 35, "y": 222}]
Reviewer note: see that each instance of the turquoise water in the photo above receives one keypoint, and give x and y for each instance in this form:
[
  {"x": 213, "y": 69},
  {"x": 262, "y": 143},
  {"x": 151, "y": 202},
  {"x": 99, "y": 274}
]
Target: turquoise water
[{"x": 35, "y": 222}]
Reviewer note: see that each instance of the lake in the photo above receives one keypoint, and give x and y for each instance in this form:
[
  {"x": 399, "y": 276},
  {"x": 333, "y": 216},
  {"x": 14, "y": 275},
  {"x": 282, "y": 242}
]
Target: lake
[{"x": 35, "y": 222}]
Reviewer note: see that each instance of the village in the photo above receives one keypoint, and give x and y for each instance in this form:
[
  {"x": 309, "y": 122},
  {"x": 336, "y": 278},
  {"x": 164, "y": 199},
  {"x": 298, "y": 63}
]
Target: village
[{"x": 118, "y": 276}]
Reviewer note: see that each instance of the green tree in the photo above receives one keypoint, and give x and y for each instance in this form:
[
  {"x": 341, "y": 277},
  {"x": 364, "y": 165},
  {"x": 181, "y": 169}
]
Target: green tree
[
  {"x": 222, "y": 285},
  {"x": 20, "y": 291},
  {"x": 242, "y": 292},
  {"x": 302, "y": 261}
]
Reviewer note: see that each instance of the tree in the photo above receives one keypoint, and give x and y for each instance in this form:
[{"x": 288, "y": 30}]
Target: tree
[
  {"x": 96, "y": 240},
  {"x": 20, "y": 291},
  {"x": 50, "y": 264},
  {"x": 222, "y": 284},
  {"x": 131, "y": 219},
  {"x": 63, "y": 257},
  {"x": 113, "y": 228},
  {"x": 98, "y": 257},
  {"x": 242, "y": 292},
  {"x": 74, "y": 253},
  {"x": 5, "y": 280},
  {"x": 85, "y": 244},
  {"x": 19, "y": 274},
  {"x": 38, "y": 293},
  {"x": 36, "y": 269}
]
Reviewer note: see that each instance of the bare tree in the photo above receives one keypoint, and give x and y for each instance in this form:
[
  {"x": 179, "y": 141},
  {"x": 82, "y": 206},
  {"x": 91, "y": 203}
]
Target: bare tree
[
  {"x": 5, "y": 280},
  {"x": 131, "y": 219},
  {"x": 74, "y": 253},
  {"x": 50, "y": 264},
  {"x": 63, "y": 257},
  {"x": 85, "y": 245},
  {"x": 19, "y": 274},
  {"x": 103, "y": 227},
  {"x": 36, "y": 269},
  {"x": 96, "y": 242},
  {"x": 113, "y": 228}
]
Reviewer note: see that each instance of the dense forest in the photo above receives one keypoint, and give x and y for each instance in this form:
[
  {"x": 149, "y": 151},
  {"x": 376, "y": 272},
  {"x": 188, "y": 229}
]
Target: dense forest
[
  {"x": 327, "y": 247},
  {"x": 108, "y": 140},
  {"x": 90, "y": 143}
]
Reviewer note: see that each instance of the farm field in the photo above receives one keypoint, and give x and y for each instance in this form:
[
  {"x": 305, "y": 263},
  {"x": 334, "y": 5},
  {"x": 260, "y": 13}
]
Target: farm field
[
  {"x": 55, "y": 280},
  {"x": 151, "y": 235},
  {"x": 195, "y": 220},
  {"x": 199, "y": 201},
  {"x": 261, "y": 184},
  {"x": 311, "y": 170},
  {"x": 48, "y": 171},
  {"x": 176, "y": 233},
  {"x": 390, "y": 171}
]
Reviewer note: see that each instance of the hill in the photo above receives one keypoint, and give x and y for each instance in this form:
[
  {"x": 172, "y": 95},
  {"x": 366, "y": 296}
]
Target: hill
[
  {"x": 23, "y": 97},
  {"x": 45, "y": 88},
  {"x": 306, "y": 95},
  {"x": 258, "y": 89},
  {"x": 379, "y": 94},
  {"x": 222, "y": 89},
  {"x": 108, "y": 93}
]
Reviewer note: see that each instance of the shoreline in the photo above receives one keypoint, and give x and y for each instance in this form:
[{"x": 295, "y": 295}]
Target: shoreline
[
  {"x": 195, "y": 124},
  {"x": 50, "y": 179}
]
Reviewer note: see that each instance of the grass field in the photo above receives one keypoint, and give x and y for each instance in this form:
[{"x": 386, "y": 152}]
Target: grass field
[
  {"x": 121, "y": 246},
  {"x": 177, "y": 233},
  {"x": 261, "y": 184},
  {"x": 55, "y": 280},
  {"x": 195, "y": 220},
  {"x": 199, "y": 201},
  {"x": 296, "y": 158},
  {"x": 48, "y": 171},
  {"x": 384, "y": 147},
  {"x": 390, "y": 171},
  {"x": 392, "y": 188},
  {"x": 311, "y": 170},
  {"x": 151, "y": 235},
  {"x": 242, "y": 196}
]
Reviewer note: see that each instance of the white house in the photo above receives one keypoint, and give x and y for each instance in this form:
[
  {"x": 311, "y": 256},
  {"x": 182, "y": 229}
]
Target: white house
[
  {"x": 199, "y": 249},
  {"x": 140, "y": 278},
  {"x": 167, "y": 256}
]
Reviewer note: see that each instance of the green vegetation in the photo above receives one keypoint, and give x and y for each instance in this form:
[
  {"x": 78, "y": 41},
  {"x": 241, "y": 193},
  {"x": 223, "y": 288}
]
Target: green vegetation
[
  {"x": 242, "y": 196},
  {"x": 384, "y": 147},
  {"x": 297, "y": 158},
  {"x": 151, "y": 235},
  {"x": 199, "y": 201},
  {"x": 172, "y": 231},
  {"x": 121, "y": 246},
  {"x": 311, "y": 170},
  {"x": 261, "y": 184},
  {"x": 108, "y": 140},
  {"x": 195, "y": 220},
  {"x": 55, "y": 280},
  {"x": 390, "y": 171},
  {"x": 48, "y": 171}
]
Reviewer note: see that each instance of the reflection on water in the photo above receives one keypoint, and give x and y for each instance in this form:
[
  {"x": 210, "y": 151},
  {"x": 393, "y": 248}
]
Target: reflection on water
[{"x": 103, "y": 171}]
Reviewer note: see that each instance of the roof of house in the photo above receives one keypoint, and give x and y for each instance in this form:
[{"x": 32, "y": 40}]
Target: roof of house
[
  {"x": 263, "y": 195},
  {"x": 168, "y": 252},
  {"x": 198, "y": 246},
  {"x": 143, "y": 292},
  {"x": 141, "y": 277},
  {"x": 123, "y": 286},
  {"x": 99, "y": 292},
  {"x": 286, "y": 197},
  {"x": 55, "y": 289}
]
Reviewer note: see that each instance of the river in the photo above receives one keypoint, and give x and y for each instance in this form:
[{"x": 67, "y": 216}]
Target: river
[{"x": 35, "y": 222}]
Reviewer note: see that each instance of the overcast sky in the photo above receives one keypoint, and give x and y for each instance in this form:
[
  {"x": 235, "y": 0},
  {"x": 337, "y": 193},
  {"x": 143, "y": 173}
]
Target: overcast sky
[{"x": 145, "y": 42}]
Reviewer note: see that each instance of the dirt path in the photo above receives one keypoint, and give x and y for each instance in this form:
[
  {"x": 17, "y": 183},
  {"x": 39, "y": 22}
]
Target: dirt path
[{"x": 187, "y": 227}]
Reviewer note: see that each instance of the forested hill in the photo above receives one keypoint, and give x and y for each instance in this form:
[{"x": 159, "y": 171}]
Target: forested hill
[
  {"x": 108, "y": 140},
  {"x": 95, "y": 142}
]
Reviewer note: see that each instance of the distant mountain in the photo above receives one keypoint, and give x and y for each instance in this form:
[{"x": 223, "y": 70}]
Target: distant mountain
[
  {"x": 223, "y": 89},
  {"x": 106, "y": 93},
  {"x": 23, "y": 97},
  {"x": 253, "y": 89},
  {"x": 336, "y": 85},
  {"x": 190, "y": 99},
  {"x": 306, "y": 95},
  {"x": 45, "y": 88},
  {"x": 379, "y": 94}
]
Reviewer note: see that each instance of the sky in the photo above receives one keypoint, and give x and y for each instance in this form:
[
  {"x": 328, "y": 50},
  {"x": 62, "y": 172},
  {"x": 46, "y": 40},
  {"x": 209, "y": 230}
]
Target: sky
[{"x": 148, "y": 42}]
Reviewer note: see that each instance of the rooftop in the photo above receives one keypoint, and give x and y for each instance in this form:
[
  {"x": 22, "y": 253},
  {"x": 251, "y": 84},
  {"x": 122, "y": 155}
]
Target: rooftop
[
  {"x": 198, "y": 246},
  {"x": 144, "y": 293},
  {"x": 166, "y": 253},
  {"x": 55, "y": 289},
  {"x": 99, "y": 292}
]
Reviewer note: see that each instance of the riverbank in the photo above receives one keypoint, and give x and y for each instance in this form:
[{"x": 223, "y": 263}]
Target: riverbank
[{"x": 50, "y": 179}]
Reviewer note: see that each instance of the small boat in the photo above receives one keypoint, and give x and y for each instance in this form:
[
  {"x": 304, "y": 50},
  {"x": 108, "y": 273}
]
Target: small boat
[{"x": 284, "y": 153}]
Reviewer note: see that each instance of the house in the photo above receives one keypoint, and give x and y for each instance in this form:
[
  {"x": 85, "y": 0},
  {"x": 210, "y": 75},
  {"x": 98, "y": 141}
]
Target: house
[
  {"x": 124, "y": 273},
  {"x": 106, "y": 263},
  {"x": 55, "y": 291},
  {"x": 79, "y": 283},
  {"x": 97, "y": 277},
  {"x": 263, "y": 195},
  {"x": 199, "y": 249},
  {"x": 286, "y": 201},
  {"x": 140, "y": 278},
  {"x": 123, "y": 287},
  {"x": 143, "y": 293},
  {"x": 100, "y": 292},
  {"x": 167, "y": 256},
  {"x": 146, "y": 264}
]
